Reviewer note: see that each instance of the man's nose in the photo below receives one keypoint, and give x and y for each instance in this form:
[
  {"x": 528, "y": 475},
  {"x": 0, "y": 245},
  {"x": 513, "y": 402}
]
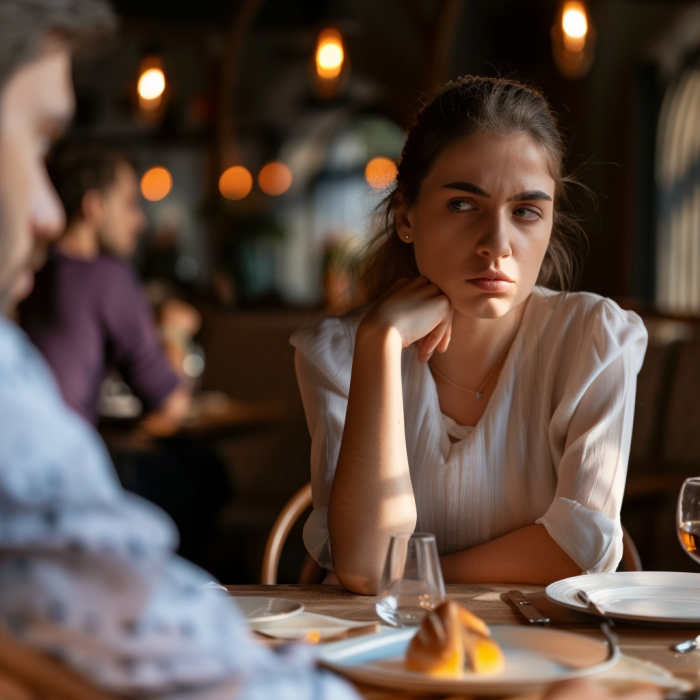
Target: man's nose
[
  {"x": 48, "y": 215},
  {"x": 495, "y": 239}
]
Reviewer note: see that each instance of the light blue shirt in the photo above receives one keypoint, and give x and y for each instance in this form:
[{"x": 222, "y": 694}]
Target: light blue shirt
[{"x": 88, "y": 571}]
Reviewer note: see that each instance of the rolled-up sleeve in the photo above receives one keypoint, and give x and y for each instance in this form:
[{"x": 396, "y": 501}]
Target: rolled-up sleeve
[
  {"x": 324, "y": 364},
  {"x": 590, "y": 434}
]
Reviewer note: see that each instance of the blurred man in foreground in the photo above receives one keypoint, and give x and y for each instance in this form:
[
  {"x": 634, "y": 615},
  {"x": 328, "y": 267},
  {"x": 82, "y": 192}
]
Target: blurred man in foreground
[
  {"x": 87, "y": 572},
  {"x": 87, "y": 312}
]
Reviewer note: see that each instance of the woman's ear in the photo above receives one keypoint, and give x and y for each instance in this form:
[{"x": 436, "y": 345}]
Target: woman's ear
[{"x": 404, "y": 228}]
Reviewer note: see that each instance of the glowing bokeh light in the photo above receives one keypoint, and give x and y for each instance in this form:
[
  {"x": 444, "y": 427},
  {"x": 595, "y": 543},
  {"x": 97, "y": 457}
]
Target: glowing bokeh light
[
  {"x": 156, "y": 184},
  {"x": 574, "y": 25},
  {"x": 329, "y": 54},
  {"x": 380, "y": 172},
  {"x": 151, "y": 84},
  {"x": 236, "y": 182},
  {"x": 275, "y": 178}
]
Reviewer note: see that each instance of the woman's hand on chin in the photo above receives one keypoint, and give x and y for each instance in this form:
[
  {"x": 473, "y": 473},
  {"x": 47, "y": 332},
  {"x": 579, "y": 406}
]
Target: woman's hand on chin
[{"x": 418, "y": 311}]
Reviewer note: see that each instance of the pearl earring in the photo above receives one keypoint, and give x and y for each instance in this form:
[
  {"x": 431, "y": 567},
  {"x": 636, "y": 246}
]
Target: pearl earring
[{"x": 407, "y": 237}]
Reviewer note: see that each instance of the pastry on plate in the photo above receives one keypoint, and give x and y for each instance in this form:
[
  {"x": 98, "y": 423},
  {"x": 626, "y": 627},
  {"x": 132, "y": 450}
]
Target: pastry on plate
[{"x": 451, "y": 640}]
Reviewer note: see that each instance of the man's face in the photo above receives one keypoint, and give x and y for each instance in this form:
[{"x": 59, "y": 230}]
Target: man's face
[
  {"x": 121, "y": 218},
  {"x": 35, "y": 105}
]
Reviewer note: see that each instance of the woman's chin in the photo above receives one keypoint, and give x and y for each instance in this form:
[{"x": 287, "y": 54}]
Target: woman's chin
[{"x": 484, "y": 307}]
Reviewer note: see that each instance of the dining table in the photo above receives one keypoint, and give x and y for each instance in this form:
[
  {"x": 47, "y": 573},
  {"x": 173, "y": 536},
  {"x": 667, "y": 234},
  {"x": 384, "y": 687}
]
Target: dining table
[{"x": 488, "y": 601}]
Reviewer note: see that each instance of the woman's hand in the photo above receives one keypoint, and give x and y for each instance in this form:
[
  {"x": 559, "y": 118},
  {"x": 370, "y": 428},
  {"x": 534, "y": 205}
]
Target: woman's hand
[{"x": 418, "y": 311}]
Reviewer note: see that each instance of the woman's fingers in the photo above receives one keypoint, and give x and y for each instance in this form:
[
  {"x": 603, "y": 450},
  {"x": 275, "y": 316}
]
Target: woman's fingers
[
  {"x": 447, "y": 335},
  {"x": 439, "y": 336}
]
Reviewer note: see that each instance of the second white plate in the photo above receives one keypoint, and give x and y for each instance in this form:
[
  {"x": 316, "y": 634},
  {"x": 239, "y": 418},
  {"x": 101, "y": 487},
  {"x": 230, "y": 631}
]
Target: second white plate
[
  {"x": 667, "y": 597},
  {"x": 261, "y": 611}
]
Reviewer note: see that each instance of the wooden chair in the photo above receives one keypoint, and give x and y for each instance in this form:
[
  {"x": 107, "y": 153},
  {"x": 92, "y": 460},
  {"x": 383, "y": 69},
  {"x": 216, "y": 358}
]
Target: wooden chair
[
  {"x": 311, "y": 571},
  {"x": 630, "y": 556},
  {"x": 27, "y": 674}
]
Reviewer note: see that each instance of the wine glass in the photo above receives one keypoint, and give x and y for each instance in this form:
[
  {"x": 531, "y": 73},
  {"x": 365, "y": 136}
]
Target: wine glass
[
  {"x": 412, "y": 583},
  {"x": 689, "y": 517}
]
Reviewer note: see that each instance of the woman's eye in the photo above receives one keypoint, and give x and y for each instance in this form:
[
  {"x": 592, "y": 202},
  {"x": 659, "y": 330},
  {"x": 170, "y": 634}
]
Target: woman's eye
[
  {"x": 460, "y": 205},
  {"x": 527, "y": 213}
]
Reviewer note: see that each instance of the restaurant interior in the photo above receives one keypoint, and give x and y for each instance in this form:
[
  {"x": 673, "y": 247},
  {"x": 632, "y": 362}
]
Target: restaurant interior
[{"x": 266, "y": 131}]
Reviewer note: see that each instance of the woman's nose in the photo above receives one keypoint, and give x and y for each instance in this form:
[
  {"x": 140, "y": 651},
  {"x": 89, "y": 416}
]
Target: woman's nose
[{"x": 495, "y": 240}]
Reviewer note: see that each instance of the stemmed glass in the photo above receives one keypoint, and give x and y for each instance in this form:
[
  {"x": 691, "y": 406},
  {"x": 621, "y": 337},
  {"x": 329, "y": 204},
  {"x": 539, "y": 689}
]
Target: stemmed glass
[
  {"x": 688, "y": 517},
  {"x": 412, "y": 583}
]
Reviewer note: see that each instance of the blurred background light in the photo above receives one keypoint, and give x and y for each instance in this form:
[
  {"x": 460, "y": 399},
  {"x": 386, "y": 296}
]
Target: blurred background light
[
  {"x": 235, "y": 183},
  {"x": 329, "y": 54},
  {"x": 275, "y": 178},
  {"x": 151, "y": 84},
  {"x": 380, "y": 172},
  {"x": 573, "y": 39},
  {"x": 156, "y": 184},
  {"x": 574, "y": 24}
]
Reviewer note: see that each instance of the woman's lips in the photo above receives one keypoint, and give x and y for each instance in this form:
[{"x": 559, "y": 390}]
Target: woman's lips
[{"x": 487, "y": 284}]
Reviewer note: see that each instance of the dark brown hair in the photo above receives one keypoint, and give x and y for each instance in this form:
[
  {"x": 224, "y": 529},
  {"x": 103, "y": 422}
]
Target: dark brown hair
[
  {"x": 461, "y": 109},
  {"x": 76, "y": 168},
  {"x": 25, "y": 24}
]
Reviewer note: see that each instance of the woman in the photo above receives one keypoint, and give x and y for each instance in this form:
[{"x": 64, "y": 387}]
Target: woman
[{"x": 470, "y": 400}]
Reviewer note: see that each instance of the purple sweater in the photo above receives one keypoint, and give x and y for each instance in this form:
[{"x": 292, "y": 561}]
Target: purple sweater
[{"x": 88, "y": 315}]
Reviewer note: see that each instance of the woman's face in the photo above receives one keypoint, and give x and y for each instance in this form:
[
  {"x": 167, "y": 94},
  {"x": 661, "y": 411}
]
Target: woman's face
[{"x": 481, "y": 224}]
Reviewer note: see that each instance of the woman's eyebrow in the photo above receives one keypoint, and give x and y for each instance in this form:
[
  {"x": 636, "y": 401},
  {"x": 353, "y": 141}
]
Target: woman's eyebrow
[
  {"x": 526, "y": 196},
  {"x": 467, "y": 187}
]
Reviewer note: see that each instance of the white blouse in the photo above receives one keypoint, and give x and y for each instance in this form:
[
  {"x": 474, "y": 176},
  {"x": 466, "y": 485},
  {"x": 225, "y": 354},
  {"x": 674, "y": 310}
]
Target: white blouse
[{"x": 551, "y": 447}]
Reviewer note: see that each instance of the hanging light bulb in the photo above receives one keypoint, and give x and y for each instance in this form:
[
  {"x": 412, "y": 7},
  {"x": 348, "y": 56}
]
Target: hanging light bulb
[
  {"x": 151, "y": 86},
  {"x": 329, "y": 68},
  {"x": 329, "y": 54},
  {"x": 573, "y": 39}
]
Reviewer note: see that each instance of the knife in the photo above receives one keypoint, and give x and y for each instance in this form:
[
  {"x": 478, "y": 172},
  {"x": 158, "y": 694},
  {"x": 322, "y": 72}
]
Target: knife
[{"x": 529, "y": 611}]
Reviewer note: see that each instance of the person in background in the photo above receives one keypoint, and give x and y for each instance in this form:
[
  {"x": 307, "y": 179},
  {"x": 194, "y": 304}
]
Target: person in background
[{"x": 87, "y": 312}]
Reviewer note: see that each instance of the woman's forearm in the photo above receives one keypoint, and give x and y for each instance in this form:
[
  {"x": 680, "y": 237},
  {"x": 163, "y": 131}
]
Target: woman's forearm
[
  {"x": 527, "y": 555},
  {"x": 372, "y": 496}
]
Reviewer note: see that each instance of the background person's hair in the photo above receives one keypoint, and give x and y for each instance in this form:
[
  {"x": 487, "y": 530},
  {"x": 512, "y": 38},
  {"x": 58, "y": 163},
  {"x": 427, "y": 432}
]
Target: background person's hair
[
  {"x": 76, "y": 168},
  {"x": 461, "y": 109},
  {"x": 25, "y": 24}
]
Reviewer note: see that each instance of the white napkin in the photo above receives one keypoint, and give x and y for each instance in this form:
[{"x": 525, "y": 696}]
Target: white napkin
[
  {"x": 630, "y": 669},
  {"x": 297, "y": 626}
]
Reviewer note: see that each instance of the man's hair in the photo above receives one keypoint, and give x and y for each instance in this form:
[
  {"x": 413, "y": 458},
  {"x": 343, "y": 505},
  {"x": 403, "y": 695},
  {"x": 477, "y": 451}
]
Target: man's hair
[
  {"x": 77, "y": 168},
  {"x": 25, "y": 24}
]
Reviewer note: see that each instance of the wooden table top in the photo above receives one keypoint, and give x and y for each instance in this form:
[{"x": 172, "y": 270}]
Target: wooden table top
[{"x": 489, "y": 603}]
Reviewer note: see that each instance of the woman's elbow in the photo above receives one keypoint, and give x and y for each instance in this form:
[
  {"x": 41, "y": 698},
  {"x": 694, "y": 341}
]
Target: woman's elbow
[{"x": 357, "y": 583}]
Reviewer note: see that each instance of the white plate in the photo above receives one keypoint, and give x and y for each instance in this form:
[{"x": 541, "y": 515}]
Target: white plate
[
  {"x": 535, "y": 658},
  {"x": 644, "y": 596},
  {"x": 260, "y": 611},
  {"x": 297, "y": 626}
]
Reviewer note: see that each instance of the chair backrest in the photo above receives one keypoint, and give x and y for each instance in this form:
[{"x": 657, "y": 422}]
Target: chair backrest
[
  {"x": 296, "y": 505},
  {"x": 630, "y": 556},
  {"x": 41, "y": 676}
]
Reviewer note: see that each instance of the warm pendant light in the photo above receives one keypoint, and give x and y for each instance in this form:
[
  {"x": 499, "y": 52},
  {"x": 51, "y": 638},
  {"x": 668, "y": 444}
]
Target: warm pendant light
[{"x": 573, "y": 39}]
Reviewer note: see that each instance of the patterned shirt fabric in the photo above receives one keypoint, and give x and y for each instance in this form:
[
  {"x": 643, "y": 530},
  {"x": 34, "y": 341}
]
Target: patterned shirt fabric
[{"x": 88, "y": 573}]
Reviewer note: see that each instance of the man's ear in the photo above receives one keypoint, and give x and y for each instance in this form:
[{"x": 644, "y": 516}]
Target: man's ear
[
  {"x": 404, "y": 225},
  {"x": 92, "y": 207}
]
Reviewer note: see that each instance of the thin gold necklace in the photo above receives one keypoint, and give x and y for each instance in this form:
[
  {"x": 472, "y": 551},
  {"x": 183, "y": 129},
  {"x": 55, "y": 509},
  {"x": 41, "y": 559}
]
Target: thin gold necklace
[{"x": 480, "y": 393}]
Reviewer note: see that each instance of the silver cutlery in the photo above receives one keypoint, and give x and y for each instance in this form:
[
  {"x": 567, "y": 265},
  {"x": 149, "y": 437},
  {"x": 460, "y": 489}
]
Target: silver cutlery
[
  {"x": 592, "y": 607},
  {"x": 528, "y": 610},
  {"x": 687, "y": 646}
]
